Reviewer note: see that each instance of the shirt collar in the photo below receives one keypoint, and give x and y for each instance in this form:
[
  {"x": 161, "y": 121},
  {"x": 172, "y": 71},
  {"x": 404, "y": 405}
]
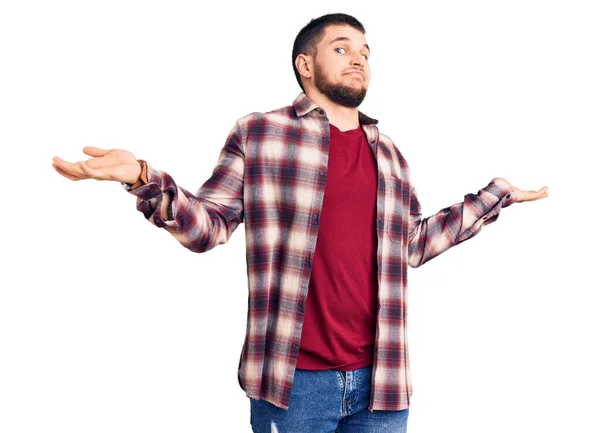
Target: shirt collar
[{"x": 304, "y": 105}]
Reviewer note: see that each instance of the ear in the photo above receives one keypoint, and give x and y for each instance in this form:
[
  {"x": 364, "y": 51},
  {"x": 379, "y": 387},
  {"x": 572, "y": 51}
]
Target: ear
[{"x": 304, "y": 65}]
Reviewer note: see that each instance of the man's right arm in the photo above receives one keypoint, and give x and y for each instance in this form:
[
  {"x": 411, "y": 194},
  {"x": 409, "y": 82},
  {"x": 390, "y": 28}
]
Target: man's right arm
[
  {"x": 203, "y": 220},
  {"x": 198, "y": 221},
  {"x": 143, "y": 180}
]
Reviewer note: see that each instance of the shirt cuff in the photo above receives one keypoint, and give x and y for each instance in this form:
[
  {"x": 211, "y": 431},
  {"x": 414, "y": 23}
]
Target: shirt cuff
[
  {"x": 502, "y": 190},
  {"x": 146, "y": 187}
]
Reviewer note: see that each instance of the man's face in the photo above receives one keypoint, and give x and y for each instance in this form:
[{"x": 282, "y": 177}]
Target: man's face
[{"x": 341, "y": 67}]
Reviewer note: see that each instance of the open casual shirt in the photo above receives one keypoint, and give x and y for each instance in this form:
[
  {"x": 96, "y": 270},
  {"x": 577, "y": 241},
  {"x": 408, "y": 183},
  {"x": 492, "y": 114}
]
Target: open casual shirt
[{"x": 271, "y": 175}]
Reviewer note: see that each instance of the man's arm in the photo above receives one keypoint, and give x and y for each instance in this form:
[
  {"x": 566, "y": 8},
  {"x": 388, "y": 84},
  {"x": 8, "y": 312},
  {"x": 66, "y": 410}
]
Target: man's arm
[
  {"x": 199, "y": 222},
  {"x": 203, "y": 220},
  {"x": 432, "y": 236}
]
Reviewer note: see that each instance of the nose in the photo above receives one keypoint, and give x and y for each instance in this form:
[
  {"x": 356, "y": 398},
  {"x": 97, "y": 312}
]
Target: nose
[{"x": 357, "y": 59}]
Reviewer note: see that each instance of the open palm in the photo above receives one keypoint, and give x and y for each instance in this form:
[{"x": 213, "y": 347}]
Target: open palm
[
  {"x": 522, "y": 196},
  {"x": 105, "y": 164}
]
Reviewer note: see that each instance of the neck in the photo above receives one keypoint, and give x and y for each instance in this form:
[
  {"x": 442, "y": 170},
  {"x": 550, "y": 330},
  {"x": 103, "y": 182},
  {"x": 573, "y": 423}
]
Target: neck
[{"x": 344, "y": 118}]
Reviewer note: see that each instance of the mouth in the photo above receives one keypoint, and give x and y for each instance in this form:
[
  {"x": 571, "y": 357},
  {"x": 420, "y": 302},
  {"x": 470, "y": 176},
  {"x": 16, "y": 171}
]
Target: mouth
[{"x": 355, "y": 74}]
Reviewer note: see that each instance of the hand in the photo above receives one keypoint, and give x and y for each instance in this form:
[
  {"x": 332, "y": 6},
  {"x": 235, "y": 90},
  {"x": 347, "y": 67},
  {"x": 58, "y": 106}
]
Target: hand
[
  {"x": 521, "y": 196},
  {"x": 114, "y": 164}
]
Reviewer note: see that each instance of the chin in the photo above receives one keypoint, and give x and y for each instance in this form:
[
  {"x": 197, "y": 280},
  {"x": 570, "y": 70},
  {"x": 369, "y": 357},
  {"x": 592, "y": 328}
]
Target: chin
[{"x": 360, "y": 85}]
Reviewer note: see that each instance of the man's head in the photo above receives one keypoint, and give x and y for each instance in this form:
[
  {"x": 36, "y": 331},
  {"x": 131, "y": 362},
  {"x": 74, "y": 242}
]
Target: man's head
[{"x": 330, "y": 56}]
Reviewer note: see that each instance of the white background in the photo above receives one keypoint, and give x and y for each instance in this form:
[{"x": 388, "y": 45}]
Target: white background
[{"x": 107, "y": 324}]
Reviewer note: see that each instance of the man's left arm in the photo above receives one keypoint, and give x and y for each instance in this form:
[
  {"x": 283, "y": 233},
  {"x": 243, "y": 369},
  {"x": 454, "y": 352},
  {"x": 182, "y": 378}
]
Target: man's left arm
[{"x": 429, "y": 237}]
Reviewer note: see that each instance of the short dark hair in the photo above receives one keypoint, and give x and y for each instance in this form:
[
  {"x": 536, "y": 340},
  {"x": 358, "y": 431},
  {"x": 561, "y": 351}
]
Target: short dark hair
[{"x": 307, "y": 39}]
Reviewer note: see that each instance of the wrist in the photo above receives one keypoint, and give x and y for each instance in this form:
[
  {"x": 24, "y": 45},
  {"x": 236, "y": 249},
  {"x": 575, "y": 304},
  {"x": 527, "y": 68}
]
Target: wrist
[{"x": 143, "y": 176}]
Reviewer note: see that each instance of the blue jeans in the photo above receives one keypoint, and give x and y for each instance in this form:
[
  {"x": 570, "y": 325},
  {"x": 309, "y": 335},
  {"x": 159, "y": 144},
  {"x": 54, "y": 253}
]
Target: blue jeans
[{"x": 327, "y": 401}]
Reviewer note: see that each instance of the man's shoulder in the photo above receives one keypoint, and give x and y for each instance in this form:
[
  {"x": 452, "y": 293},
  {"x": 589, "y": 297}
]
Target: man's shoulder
[
  {"x": 279, "y": 115},
  {"x": 393, "y": 149},
  {"x": 286, "y": 115},
  {"x": 387, "y": 141}
]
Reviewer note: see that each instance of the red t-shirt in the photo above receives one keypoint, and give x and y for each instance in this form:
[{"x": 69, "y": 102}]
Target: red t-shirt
[{"x": 338, "y": 331}]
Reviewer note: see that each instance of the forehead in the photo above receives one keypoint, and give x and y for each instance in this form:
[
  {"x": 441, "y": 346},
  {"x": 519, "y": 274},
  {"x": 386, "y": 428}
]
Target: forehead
[{"x": 333, "y": 32}]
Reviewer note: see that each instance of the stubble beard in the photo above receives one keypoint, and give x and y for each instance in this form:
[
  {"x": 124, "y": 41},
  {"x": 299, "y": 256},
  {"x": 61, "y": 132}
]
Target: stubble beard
[{"x": 338, "y": 93}]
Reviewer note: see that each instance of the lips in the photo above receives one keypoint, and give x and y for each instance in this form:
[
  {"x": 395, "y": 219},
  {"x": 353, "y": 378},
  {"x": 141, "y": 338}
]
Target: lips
[{"x": 356, "y": 74}]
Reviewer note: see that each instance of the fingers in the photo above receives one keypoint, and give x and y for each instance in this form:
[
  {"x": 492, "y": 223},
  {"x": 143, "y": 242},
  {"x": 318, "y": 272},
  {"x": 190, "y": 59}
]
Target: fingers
[
  {"x": 68, "y": 169},
  {"x": 533, "y": 195},
  {"x": 93, "y": 173},
  {"x": 95, "y": 151},
  {"x": 64, "y": 173},
  {"x": 543, "y": 192}
]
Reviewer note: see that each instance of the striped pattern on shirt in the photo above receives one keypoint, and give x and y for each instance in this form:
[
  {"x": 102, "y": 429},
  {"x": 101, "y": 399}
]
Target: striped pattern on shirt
[{"x": 271, "y": 175}]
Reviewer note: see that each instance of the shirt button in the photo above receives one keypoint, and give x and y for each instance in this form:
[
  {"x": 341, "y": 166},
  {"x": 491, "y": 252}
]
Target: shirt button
[
  {"x": 307, "y": 260},
  {"x": 321, "y": 173},
  {"x": 321, "y": 111}
]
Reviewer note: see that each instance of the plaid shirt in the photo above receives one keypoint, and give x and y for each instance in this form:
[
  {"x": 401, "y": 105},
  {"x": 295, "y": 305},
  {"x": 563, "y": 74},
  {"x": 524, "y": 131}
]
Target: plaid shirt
[{"x": 271, "y": 175}]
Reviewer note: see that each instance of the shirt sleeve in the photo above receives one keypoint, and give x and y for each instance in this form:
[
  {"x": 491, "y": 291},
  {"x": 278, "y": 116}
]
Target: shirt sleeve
[
  {"x": 203, "y": 220},
  {"x": 429, "y": 237}
]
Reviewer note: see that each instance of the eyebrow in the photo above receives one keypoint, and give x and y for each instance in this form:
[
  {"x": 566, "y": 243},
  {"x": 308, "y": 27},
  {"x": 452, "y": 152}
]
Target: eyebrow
[{"x": 344, "y": 38}]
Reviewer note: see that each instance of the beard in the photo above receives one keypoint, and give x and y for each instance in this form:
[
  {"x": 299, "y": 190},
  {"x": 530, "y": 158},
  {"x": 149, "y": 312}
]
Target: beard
[{"x": 341, "y": 94}]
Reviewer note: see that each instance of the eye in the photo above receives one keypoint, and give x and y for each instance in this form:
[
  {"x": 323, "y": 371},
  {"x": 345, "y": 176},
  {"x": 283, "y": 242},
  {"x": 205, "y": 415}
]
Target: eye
[
  {"x": 340, "y": 48},
  {"x": 365, "y": 57}
]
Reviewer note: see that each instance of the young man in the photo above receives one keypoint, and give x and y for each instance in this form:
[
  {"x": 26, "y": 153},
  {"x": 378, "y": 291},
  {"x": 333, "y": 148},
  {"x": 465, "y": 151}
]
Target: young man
[{"x": 332, "y": 222}]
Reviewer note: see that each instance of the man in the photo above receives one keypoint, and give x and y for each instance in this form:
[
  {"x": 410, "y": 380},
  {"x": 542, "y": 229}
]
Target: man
[{"x": 332, "y": 222}]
